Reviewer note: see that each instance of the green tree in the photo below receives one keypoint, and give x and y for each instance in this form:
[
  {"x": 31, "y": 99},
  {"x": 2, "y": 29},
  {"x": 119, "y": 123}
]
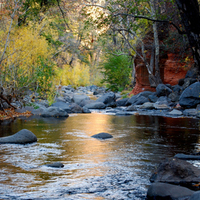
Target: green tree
[{"x": 117, "y": 71}]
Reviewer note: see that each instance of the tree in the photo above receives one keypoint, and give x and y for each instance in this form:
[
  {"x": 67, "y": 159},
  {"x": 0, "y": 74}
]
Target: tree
[{"x": 189, "y": 12}]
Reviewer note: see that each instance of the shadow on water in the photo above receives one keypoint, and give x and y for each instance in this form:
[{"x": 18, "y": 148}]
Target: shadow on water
[{"x": 118, "y": 168}]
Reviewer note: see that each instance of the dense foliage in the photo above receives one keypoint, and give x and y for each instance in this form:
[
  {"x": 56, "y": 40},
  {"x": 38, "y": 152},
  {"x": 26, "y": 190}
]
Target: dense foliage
[
  {"x": 44, "y": 43},
  {"x": 117, "y": 71}
]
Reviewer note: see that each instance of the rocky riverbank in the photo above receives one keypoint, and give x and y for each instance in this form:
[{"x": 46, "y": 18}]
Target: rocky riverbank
[{"x": 181, "y": 100}]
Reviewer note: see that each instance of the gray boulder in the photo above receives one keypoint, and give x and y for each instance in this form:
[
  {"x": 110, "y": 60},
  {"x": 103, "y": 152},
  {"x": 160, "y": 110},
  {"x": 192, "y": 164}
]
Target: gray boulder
[
  {"x": 102, "y": 136},
  {"x": 95, "y": 105},
  {"x": 122, "y": 102},
  {"x": 147, "y": 106},
  {"x": 22, "y": 137},
  {"x": 190, "y": 112},
  {"x": 137, "y": 99},
  {"x": 77, "y": 98},
  {"x": 190, "y": 97},
  {"x": 177, "y": 172},
  {"x": 109, "y": 99},
  {"x": 54, "y": 112},
  {"x": 75, "y": 108},
  {"x": 163, "y": 90},
  {"x": 164, "y": 191},
  {"x": 195, "y": 196},
  {"x": 175, "y": 112},
  {"x": 62, "y": 105}
]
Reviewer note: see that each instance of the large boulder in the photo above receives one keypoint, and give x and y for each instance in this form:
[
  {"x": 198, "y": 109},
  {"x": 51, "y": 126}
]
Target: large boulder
[
  {"x": 122, "y": 102},
  {"x": 195, "y": 196},
  {"x": 54, "y": 112},
  {"x": 177, "y": 172},
  {"x": 163, "y": 90},
  {"x": 75, "y": 108},
  {"x": 62, "y": 105},
  {"x": 139, "y": 98},
  {"x": 22, "y": 137},
  {"x": 109, "y": 99},
  {"x": 77, "y": 98},
  {"x": 190, "y": 97},
  {"x": 164, "y": 191},
  {"x": 95, "y": 105}
]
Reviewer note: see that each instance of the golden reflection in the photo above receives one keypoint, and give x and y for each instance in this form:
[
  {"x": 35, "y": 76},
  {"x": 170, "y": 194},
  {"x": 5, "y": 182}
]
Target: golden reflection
[{"x": 83, "y": 145}]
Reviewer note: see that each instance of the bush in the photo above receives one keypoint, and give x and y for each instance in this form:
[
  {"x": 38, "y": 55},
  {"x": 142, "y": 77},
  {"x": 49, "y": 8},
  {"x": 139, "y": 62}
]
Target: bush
[{"x": 117, "y": 71}]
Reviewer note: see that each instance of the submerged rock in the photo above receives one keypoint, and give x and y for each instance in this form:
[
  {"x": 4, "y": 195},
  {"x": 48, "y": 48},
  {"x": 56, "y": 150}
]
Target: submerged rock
[
  {"x": 102, "y": 136},
  {"x": 55, "y": 165},
  {"x": 22, "y": 137}
]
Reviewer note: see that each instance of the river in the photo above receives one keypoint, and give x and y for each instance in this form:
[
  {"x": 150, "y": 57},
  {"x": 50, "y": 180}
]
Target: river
[{"x": 116, "y": 168}]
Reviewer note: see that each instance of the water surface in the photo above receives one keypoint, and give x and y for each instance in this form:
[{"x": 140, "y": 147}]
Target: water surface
[{"x": 117, "y": 168}]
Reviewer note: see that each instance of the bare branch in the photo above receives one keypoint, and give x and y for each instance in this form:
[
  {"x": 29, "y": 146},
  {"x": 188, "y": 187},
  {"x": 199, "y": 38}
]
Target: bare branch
[{"x": 153, "y": 20}]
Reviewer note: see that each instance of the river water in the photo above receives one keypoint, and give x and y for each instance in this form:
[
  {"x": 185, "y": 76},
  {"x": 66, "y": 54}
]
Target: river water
[{"x": 116, "y": 168}]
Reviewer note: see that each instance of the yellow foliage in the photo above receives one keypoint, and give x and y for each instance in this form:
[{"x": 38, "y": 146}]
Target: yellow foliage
[{"x": 78, "y": 75}]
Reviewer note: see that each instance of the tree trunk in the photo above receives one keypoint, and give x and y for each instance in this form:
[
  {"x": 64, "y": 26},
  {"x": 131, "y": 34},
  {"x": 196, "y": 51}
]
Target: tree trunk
[{"x": 189, "y": 12}]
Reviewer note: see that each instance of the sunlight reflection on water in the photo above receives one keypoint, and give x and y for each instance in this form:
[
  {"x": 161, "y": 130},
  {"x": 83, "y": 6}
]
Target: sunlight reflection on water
[{"x": 118, "y": 168}]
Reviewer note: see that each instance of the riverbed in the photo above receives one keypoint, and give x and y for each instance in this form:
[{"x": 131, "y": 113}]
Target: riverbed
[{"x": 116, "y": 168}]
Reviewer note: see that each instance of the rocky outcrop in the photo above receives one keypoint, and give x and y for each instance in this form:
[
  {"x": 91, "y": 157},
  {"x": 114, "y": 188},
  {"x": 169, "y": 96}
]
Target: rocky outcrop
[{"x": 22, "y": 137}]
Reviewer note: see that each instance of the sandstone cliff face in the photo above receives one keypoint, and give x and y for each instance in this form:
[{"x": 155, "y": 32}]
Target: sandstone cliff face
[{"x": 171, "y": 70}]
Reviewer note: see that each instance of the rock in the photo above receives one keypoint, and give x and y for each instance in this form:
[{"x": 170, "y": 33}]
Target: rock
[
  {"x": 174, "y": 96},
  {"x": 86, "y": 110},
  {"x": 190, "y": 97},
  {"x": 153, "y": 98},
  {"x": 177, "y": 88},
  {"x": 75, "y": 108},
  {"x": 102, "y": 136},
  {"x": 122, "y": 102},
  {"x": 22, "y": 137},
  {"x": 163, "y": 90},
  {"x": 54, "y": 112},
  {"x": 162, "y": 103},
  {"x": 147, "y": 106},
  {"x": 55, "y": 165},
  {"x": 164, "y": 191},
  {"x": 80, "y": 97},
  {"x": 195, "y": 196},
  {"x": 123, "y": 113},
  {"x": 190, "y": 112},
  {"x": 141, "y": 100},
  {"x": 188, "y": 82},
  {"x": 62, "y": 105},
  {"x": 192, "y": 73},
  {"x": 136, "y": 99},
  {"x": 109, "y": 99},
  {"x": 95, "y": 105},
  {"x": 60, "y": 99},
  {"x": 131, "y": 108},
  {"x": 187, "y": 157},
  {"x": 177, "y": 172},
  {"x": 85, "y": 102},
  {"x": 175, "y": 112},
  {"x": 98, "y": 91}
]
